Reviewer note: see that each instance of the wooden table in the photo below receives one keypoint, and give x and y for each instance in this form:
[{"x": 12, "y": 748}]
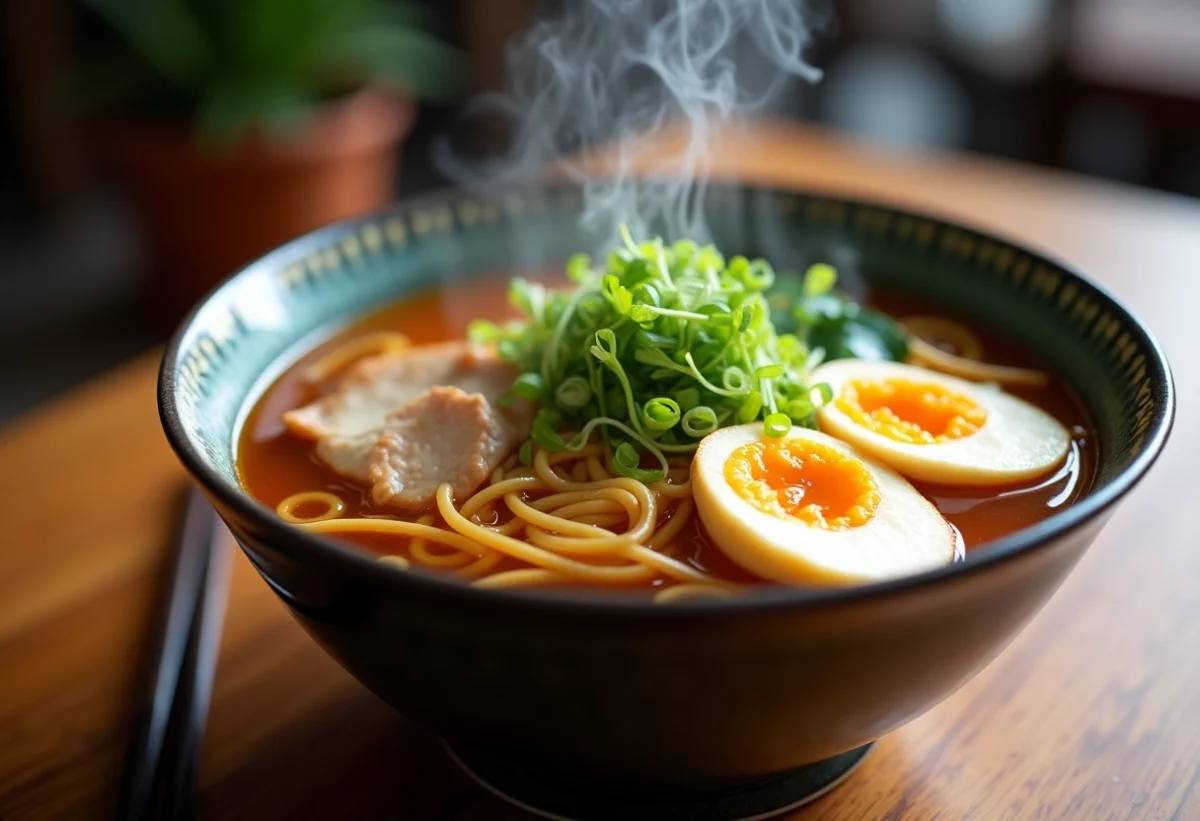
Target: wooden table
[{"x": 1093, "y": 713}]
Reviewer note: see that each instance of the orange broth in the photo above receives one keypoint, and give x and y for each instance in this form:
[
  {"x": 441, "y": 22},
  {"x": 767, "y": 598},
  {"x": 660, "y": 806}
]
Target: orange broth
[{"x": 272, "y": 464}]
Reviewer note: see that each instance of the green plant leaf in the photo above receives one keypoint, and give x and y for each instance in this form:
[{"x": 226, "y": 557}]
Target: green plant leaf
[
  {"x": 407, "y": 59},
  {"x": 237, "y": 64},
  {"x": 162, "y": 33},
  {"x": 231, "y": 109},
  {"x": 281, "y": 41},
  {"x": 99, "y": 80}
]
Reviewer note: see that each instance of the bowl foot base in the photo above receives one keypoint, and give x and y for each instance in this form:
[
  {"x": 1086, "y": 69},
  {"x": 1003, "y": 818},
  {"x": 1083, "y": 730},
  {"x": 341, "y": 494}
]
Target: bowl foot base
[{"x": 744, "y": 801}]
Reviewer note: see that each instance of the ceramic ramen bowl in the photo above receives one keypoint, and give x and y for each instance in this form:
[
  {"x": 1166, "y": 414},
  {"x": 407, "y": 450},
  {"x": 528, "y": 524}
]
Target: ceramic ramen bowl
[{"x": 701, "y": 709}]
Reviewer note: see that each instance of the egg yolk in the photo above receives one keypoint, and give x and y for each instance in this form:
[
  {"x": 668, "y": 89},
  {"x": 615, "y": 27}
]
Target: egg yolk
[
  {"x": 910, "y": 412},
  {"x": 809, "y": 481}
]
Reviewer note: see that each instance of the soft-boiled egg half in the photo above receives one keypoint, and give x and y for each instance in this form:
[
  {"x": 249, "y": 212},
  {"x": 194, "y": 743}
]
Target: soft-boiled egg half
[
  {"x": 806, "y": 508},
  {"x": 937, "y": 428}
]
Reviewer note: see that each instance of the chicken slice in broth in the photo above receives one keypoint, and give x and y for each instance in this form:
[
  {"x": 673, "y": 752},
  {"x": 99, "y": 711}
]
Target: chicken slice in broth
[{"x": 409, "y": 421}]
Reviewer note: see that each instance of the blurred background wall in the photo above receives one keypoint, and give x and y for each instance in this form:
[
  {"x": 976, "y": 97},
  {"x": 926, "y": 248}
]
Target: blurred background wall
[{"x": 1109, "y": 88}]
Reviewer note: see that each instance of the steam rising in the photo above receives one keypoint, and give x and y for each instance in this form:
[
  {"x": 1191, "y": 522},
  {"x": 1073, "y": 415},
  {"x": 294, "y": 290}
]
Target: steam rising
[{"x": 602, "y": 70}]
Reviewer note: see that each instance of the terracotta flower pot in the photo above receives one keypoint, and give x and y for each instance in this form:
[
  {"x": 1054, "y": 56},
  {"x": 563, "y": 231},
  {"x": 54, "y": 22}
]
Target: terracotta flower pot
[{"x": 206, "y": 211}]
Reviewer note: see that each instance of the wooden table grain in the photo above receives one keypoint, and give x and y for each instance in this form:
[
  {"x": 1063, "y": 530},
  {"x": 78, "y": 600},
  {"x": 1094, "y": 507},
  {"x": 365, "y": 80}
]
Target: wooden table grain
[{"x": 1092, "y": 713}]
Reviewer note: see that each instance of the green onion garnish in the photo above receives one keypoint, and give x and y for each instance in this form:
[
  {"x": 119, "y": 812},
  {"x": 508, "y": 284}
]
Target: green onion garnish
[{"x": 656, "y": 348}]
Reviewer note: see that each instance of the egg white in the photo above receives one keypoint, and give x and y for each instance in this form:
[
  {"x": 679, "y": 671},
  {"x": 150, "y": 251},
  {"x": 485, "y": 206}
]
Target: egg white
[
  {"x": 906, "y": 535},
  {"x": 1017, "y": 442}
]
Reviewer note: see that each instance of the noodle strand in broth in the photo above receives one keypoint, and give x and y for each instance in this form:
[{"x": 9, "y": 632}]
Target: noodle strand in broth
[{"x": 563, "y": 520}]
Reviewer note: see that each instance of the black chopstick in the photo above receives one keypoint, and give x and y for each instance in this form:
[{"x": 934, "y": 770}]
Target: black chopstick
[
  {"x": 190, "y": 712},
  {"x": 183, "y": 648}
]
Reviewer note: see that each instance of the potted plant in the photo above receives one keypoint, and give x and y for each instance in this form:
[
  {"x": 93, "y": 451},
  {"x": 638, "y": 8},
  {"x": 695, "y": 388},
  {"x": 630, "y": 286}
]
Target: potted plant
[{"x": 238, "y": 124}]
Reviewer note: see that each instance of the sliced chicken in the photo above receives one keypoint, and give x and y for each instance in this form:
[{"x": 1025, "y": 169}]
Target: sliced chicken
[
  {"x": 409, "y": 421},
  {"x": 378, "y": 385}
]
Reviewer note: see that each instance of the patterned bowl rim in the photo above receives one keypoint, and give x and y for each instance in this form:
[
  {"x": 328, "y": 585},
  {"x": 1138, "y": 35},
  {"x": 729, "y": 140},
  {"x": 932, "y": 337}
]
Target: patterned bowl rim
[{"x": 272, "y": 529}]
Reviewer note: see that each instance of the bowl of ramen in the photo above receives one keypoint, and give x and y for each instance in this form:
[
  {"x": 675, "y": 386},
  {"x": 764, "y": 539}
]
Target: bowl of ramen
[{"x": 676, "y": 522}]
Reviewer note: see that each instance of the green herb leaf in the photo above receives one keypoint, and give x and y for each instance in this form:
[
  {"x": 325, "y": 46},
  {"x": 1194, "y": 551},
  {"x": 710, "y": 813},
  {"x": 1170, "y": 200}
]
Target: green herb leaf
[
  {"x": 617, "y": 294},
  {"x": 858, "y": 333},
  {"x": 816, "y": 324}
]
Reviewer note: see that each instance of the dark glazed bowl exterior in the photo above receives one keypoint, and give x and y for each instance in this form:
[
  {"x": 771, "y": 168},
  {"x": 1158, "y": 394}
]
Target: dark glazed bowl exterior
[{"x": 583, "y": 687}]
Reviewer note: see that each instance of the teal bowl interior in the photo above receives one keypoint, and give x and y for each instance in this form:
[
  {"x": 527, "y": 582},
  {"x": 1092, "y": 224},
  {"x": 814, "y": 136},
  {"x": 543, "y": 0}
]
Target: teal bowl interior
[{"x": 248, "y": 329}]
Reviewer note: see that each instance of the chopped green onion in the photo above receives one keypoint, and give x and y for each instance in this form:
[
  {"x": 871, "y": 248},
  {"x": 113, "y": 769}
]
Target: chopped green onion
[
  {"x": 573, "y": 393},
  {"x": 699, "y": 422},
  {"x": 799, "y": 410},
  {"x": 526, "y": 453},
  {"x": 734, "y": 379},
  {"x": 660, "y": 414},
  {"x": 759, "y": 275},
  {"x": 751, "y": 408},
  {"x": 777, "y": 425}
]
